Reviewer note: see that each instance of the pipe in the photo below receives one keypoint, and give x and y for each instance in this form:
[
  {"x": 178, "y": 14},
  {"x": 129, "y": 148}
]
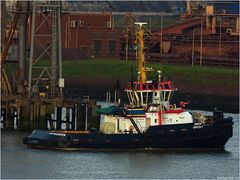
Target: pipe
[
  {"x": 31, "y": 50},
  {"x": 161, "y": 46}
]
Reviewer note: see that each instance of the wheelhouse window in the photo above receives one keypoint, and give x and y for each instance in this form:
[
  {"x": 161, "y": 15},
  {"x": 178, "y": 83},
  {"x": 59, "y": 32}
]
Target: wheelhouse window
[
  {"x": 150, "y": 86},
  {"x": 149, "y": 98},
  {"x": 166, "y": 86},
  {"x": 130, "y": 97},
  {"x": 144, "y": 87},
  {"x": 138, "y": 87},
  {"x": 144, "y": 97},
  {"x": 167, "y": 95}
]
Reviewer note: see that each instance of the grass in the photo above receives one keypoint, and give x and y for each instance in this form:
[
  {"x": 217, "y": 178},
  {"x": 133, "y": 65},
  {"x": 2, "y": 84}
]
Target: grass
[
  {"x": 113, "y": 69},
  {"x": 98, "y": 68}
]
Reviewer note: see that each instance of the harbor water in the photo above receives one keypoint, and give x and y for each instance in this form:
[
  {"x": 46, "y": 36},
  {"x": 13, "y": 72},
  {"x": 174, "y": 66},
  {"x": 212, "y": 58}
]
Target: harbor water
[{"x": 18, "y": 161}]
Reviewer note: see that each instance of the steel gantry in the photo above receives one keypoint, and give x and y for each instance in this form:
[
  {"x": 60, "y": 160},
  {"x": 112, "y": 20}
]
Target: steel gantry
[{"x": 43, "y": 75}]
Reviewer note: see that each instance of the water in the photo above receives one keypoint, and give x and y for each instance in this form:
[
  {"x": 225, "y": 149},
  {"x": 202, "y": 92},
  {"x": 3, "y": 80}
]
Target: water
[{"x": 17, "y": 161}]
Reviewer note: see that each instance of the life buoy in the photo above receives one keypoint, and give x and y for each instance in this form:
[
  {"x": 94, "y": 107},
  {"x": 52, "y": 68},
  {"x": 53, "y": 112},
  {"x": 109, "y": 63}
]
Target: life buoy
[{"x": 170, "y": 107}]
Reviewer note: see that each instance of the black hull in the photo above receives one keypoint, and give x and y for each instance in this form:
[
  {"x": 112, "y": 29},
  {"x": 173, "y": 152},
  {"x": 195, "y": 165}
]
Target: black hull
[{"x": 169, "y": 136}]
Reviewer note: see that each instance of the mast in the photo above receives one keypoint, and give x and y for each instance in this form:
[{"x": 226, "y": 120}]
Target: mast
[{"x": 141, "y": 60}]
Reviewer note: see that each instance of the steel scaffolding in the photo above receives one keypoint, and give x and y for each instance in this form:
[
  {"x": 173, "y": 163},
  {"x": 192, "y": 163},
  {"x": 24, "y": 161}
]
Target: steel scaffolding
[{"x": 43, "y": 76}]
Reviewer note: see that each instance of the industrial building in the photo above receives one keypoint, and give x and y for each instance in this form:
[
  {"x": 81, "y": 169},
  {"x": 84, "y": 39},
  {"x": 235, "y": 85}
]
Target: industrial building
[
  {"x": 83, "y": 36},
  {"x": 209, "y": 32},
  {"x": 211, "y": 38}
]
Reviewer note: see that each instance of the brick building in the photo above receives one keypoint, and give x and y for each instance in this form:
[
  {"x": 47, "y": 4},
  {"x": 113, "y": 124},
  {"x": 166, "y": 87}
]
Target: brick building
[{"x": 83, "y": 36}]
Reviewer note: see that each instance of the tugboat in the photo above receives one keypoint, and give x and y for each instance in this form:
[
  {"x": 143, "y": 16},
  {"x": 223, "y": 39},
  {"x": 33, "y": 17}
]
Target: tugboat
[{"x": 149, "y": 121}]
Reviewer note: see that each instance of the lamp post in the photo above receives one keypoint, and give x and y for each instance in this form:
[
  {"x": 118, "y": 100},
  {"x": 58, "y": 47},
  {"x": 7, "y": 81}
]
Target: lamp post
[
  {"x": 161, "y": 35},
  {"x": 150, "y": 19},
  {"x": 220, "y": 37},
  {"x": 150, "y": 24},
  {"x": 126, "y": 48},
  {"x": 193, "y": 46},
  {"x": 201, "y": 42}
]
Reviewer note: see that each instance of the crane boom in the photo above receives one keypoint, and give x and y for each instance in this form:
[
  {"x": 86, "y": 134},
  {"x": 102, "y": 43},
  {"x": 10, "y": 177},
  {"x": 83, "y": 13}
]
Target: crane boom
[
  {"x": 9, "y": 39},
  {"x": 5, "y": 82}
]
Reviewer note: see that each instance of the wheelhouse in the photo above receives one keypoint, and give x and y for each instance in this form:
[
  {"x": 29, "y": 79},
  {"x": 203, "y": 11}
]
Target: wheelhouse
[{"x": 141, "y": 94}]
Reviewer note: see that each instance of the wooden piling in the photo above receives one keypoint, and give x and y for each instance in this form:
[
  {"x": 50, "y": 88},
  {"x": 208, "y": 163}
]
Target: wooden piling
[
  {"x": 26, "y": 111},
  {"x": 38, "y": 117},
  {"x": 73, "y": 117},
  {"x": 50, "y": 121},
  {"x": 34, "y": 108},
  {"x": 41, "y": 119},
  {"x": 31, "y": 117},
  {"x": 9, "y": 117},
  {"x": 35, "y": 116},
  {"x": 80, "y": 117},
  {"x": 19, "y": 118},
  {"x": 50, "y": 109},
  {"x": 59, "y": 118},
  {"x": 3, "y": 116},
  {"x": 67, "y": 118}
]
